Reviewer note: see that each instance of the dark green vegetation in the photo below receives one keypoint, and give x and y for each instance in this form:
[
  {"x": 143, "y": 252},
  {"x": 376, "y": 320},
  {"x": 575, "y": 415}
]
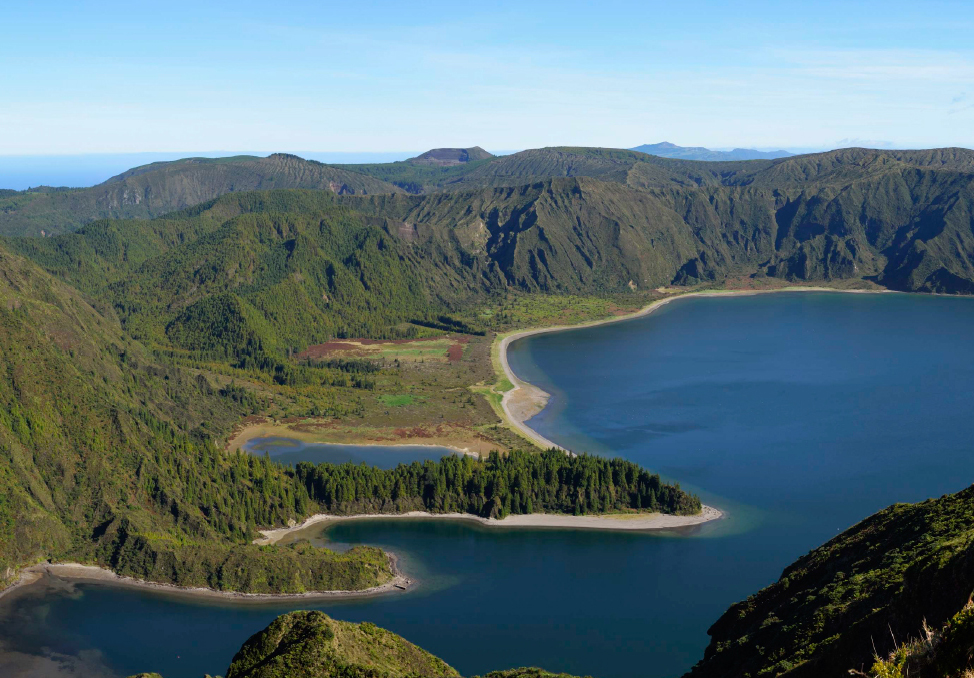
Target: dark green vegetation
[
  {"x": 874, "y": 585},
  {"x": 667, "y": 150},
  {"x": 570, "y": 219},
  {"x": 518, "y": 483},
  {"x": 313, "y": 645},
  {"x": 153, "y": 190},
  {"x": 106, "y": 458}
]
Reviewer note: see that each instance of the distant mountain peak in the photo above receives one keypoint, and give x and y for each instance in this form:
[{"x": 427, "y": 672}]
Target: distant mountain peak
[
  {"x": 450, "y": 156},
  {"x": 665, "y": 149}
]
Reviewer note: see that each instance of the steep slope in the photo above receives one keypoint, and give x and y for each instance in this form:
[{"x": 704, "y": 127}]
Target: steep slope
[
  {"x": 249, "y": 276},
  {"x": 667, "y": 150},
  {"x": 907, "y": 227},
  {"x": 288, "y": 280},
  {"x": 105, "y": 457},
  {"x": 560, "y": 235},
  {"x": 162, "y": 187},
  {"x": 832, "y": 610}
]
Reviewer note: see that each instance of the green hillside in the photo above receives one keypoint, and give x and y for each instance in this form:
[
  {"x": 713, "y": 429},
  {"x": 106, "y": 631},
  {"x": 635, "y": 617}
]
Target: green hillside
[
  {"x": 162, "y": 187},
  {"x": 259, "y": 273},
  {"x": 286, "y": 269},
  {"x": 867, "y": 591},
  {"x": 106, "y": 458}
]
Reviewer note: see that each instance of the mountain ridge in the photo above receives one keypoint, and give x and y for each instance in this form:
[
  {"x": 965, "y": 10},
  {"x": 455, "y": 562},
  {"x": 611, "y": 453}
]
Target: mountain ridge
[
  {"x": 158, "y": 188},
  {"x": 152, "y": 190}
]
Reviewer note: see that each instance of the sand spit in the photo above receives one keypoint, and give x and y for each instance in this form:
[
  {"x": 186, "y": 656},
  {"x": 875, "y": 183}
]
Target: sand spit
[
  {"x": 615, "y": 521},
  {"x": 92, "y": 573}
]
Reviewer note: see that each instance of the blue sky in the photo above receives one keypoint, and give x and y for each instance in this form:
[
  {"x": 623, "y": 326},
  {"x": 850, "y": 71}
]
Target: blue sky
[{"x": 78, "y": 77}]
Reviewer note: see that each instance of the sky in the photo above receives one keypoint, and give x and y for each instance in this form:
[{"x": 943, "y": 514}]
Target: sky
[{"x": 178, "y": 77}]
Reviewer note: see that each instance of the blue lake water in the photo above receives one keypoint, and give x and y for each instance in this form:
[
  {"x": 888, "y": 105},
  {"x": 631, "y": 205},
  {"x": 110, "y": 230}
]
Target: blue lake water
[
  {"x": 799, "y": 414},
  {"x": 290, "y": 451}
]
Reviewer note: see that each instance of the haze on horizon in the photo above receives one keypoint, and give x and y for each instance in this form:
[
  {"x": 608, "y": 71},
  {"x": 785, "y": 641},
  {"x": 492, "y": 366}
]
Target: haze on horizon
[{"x": 390, "y": 77}]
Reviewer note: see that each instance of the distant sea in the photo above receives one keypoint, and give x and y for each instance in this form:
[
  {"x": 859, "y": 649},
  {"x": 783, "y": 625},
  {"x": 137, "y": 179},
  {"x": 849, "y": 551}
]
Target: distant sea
[{"x": 21, "y": 172}]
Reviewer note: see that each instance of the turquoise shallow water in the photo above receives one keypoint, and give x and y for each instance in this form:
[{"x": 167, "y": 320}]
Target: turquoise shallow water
[{"x": 797, "y": 413}]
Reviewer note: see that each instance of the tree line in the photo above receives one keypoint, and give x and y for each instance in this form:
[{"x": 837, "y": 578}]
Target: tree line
[{"x": 516, "y": 483}]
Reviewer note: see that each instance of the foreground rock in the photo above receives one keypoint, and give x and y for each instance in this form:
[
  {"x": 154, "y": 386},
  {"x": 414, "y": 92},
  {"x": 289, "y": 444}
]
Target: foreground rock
[{"x": 313, "y": 645}]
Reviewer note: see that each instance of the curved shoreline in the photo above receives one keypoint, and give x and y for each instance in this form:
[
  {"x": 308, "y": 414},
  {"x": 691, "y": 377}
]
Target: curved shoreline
[
  {"x": 619, "y": 521},
  {"x": 93, "y": 573},
  {"x": 526, "y": 400}
]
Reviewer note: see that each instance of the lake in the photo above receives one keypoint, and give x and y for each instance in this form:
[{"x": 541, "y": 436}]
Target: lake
[
  {"x": 290, "y": 451},
  {"x": 797, "y": 413}
]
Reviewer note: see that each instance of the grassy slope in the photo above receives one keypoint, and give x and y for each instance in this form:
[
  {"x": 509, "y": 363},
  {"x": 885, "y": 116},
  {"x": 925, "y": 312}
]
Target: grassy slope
[
  {"x": 832, "y": 609},
  {"x": 159, "y": 188},
  {"x": 104, "y": 458}
]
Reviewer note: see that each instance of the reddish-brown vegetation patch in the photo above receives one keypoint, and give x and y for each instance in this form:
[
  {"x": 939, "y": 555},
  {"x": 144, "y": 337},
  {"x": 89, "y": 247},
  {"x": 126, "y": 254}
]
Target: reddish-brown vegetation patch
[
  {"x": 414, "y": 432},
  {"x": 313, "y": 426},
  {"x": 454, "y": 353}
]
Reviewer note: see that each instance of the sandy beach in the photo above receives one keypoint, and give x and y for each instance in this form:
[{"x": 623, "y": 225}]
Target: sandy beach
[
  {"x": 92, "y": 573},
  {"x": 615, "y": 521},
  {"x": 526, "y": 400}
]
